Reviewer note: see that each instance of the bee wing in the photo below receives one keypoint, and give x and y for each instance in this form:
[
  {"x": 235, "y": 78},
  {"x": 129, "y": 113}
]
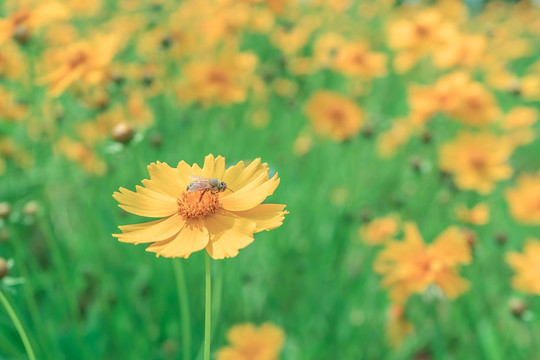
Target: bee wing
[{"x": 198, "y": 185}]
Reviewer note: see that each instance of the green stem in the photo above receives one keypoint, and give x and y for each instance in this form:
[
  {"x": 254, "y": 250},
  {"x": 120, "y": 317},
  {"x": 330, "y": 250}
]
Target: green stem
[
  {"x": 18, "y": 325},
  {"x": 207, "y": 309},
  {"x": 184, "y": 308}
]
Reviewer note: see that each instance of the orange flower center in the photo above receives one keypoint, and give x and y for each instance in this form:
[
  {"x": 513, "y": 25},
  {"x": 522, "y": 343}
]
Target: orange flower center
[
  {"x": 336, "y": 116},
  {"x": 478, "y": 162},
  {"x": 197, "y": 204},
  {"x": 217, "y": 78},
  {"x": 78, "y": 59}
]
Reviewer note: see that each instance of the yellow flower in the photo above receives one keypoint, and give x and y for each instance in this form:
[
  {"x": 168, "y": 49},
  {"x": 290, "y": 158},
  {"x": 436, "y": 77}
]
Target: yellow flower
[
  {"x": 465, "y": 51},
  {"x": 477, "y": 215},
  {"x": 23, "y": 22},
  {"x": 389, "y": 141},
  {"x": 356, "y": 60},
  {"x": 222, "y": 81},
  {"x": 476, "y": 106},
  {"x": 527, "y": 267},
  {"x": 220, "y": 221},
  {"x": 518, "y": 125},
  {"x": 524, "y": 200},
  {"x": 334, "y": 116},
  {"x": 251, "y": 343},
  {"x": 379, "y": 230},
  {"x": 410, "y": 266},
  {"x": 477, "y": 161},
  {"x": 84, "y": 60}
]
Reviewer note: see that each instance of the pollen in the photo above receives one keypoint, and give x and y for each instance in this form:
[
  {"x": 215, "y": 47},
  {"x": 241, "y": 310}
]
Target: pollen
[{"x": 195, "y": 205}]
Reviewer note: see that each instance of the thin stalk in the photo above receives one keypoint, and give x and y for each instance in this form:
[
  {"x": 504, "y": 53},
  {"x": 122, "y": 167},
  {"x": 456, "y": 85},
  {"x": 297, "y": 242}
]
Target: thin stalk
[
  {"x": 18, "y": 326},
  {"x": 207, "y": 309},
  {"x": 184, "y": 308}
]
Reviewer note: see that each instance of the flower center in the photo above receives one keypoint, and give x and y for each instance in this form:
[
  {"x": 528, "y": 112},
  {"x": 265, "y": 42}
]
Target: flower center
[{"x": 197, "y": 204}]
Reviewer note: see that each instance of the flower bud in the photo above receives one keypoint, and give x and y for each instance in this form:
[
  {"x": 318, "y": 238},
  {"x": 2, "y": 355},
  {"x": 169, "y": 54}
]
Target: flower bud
[
  {"x": 123, "y": 133},
  {"x": 3, "y": 268},
  {"x": 5, "y": 210}
]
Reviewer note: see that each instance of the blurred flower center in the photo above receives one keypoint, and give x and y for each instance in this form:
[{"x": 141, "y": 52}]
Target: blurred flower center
[
  {"x": 478, "y": 162},
  {"x": 193, "y": 205},
  {"x": 337, "y": 116},
  {"x": 216, "y": 77},
  {"x": 79, "y": 58}
]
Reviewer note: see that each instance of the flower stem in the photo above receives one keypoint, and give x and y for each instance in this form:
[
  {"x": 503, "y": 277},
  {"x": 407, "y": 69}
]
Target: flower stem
[
  {"x": 184, "y": 308},
  {"x": 207, "y": 309},
  {"x": 18, "y": 325}
]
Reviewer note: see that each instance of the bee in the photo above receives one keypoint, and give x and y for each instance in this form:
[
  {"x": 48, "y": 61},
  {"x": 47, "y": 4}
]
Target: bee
[{"x": 202, "y": 183}]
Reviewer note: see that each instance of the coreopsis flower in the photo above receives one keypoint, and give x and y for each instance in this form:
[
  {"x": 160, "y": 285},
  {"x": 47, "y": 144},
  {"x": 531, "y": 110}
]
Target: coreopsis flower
[
  {"x": 477, "y": 215},
  {"x": 334, "y": 116},
  {"x": 82, "y": 154},
  {"x": 526, "y": 266},
  {"x": 22, "y": 23},
  {"x": 397, "y": 326},
  {"x": 379, "y": 230},
  {"x": 476, "y": 106},
  {"x": 356, "y": 59},
  {"x": 524, "y": 199},
  {"x": 466, "y": 52},
  {"x": 410, "y": 266},
  {"x": 12, "y": 61},
  {"x": 326, "y": 47},
  {"x": 251, "y": 343},
  {"x": 518, "y": 124},
  {"x": 477, "y": 161},
  {"x": 221, "y": 219},
  {"x": 223, "y": 81},
  {"x": 84, "y": 60}
]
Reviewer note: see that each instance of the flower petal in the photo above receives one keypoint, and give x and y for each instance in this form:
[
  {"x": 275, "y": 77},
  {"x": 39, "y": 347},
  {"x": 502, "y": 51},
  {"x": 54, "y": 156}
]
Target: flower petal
[
  {"x": 146, "y": 202},
  {"x": 193, "y": 237},
  {"x": 266, "y": 216},
  {"x": 250, "y": 195},
  {"x": 238, "y": 176},
  {"x": 166, "y": 180},
  {"x": 228, "y": 234},
  {"x": 213, "y": 167},
  {"x": 151, "y": 231}
]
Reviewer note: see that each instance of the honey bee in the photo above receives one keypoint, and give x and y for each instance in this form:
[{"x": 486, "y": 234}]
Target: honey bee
[{"x": 204, "y": 184}]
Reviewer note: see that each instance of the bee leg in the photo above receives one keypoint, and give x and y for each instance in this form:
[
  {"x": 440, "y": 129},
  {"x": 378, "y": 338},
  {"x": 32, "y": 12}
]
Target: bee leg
[{"x": 203, "y": 192}]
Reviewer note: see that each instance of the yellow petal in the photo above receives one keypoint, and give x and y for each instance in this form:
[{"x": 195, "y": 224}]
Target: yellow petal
[
  {"x": 193, "y": 237},
  {"x": 266, "y": 216},
  {"x": 250, "y": 195},
  {"x": 151, "y": 231},
  {"x": 228, "y": 234},
  {"x": 166, "y": 180},
  {"x": 238, "y": 176},
  {"x": 213, "y": 168},
  {"x": 146, "y": 202}
]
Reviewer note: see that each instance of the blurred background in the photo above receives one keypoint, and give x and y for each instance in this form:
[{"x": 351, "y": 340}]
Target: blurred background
[{"x": 380, "y": 118}]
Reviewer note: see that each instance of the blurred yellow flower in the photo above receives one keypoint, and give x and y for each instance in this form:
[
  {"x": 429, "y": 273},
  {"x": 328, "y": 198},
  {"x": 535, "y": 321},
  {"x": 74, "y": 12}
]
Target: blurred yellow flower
[
  {"x": 84, "y": 60},
  {"x": 399, "y": 134},
  {"x": 251, "y": 343},
  {"x": 518, "y": 125},
  {"x": 477, "y": 161},
  {"x": 526, "y": 266},
  {"x": 408, "y": 267},
  {"x": 476, "y": 106},
  {"x": 477, "y": 215},
  {"x": 524, "y": 200},
  {"x": 333, "y": 115},
  {"x": 357, "y": 60},
  {"x": 220, "y": 221},
  {"x": 222, "y": 81},
  {"x": 379, "y": 230},
  {"x": 22, "y": 23}
]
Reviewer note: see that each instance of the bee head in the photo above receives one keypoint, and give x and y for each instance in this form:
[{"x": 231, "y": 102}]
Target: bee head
[{"x": 222, "y": 186}]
